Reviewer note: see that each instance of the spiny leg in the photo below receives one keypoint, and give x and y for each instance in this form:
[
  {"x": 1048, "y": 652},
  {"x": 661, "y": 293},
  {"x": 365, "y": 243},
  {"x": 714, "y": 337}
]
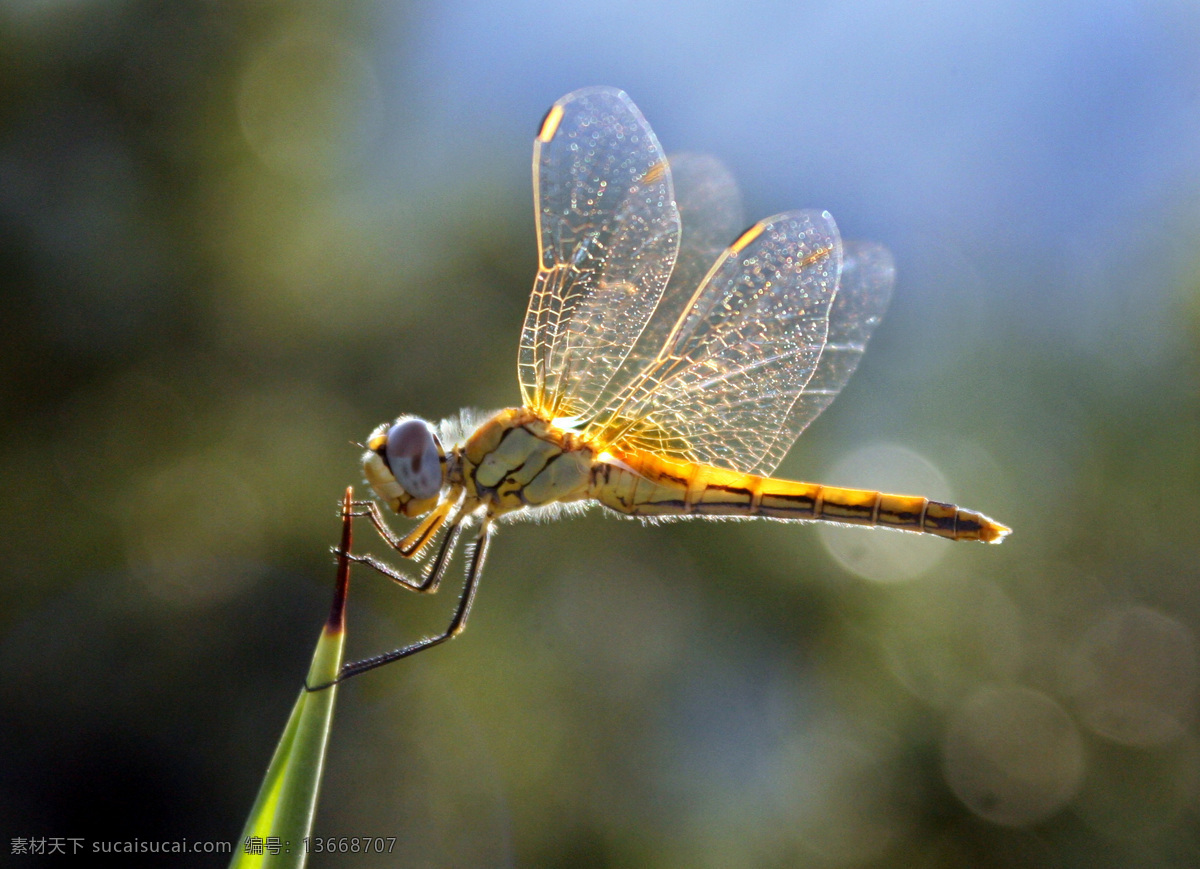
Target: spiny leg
[
  {"x": 431, "y": 577},
  {"x": 448, "y": 513},
  {"x": 474, "y": 570},
  {"x": 412, "y": 543}
]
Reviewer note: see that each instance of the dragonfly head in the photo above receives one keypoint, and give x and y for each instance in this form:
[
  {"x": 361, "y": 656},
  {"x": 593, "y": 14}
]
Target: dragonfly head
[{"x": 405, "y": 465}]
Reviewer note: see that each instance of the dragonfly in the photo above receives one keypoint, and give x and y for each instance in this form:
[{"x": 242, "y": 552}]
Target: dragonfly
[{"x": 664, "y": 371}]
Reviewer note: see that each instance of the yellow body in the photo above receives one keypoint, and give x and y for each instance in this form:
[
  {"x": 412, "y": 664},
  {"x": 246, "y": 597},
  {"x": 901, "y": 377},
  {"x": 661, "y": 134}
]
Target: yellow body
[
  {"x": 653, "y": 362},
  {"x": 517, "y": 461}
]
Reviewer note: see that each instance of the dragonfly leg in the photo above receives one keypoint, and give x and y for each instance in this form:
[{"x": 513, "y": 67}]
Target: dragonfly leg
[
  {"x": 410, "y": 546},
  {"x": 457, "y": 623},
  {"x": 431, "y": 577}
]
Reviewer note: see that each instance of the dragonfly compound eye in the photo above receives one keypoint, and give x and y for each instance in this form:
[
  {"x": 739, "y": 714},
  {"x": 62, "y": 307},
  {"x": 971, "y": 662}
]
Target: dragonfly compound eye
[{"x": 414, "y": 457}]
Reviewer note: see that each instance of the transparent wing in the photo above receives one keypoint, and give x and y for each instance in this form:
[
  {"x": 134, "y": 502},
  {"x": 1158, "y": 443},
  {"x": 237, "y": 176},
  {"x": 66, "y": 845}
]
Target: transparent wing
[
  {"x": 868, "y": 273},
  {"x": 736, "y": 361},
  {"x": 710, "y": 214},
  {"x": 608, "y": 233}
]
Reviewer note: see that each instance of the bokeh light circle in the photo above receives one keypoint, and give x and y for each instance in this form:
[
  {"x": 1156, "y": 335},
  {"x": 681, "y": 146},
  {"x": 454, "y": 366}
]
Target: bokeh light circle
[
  {"x": 307, "y": 104},
  {"x": 1133, "y": 677},
  {"x": 1013, "y": 755},
  {"x": 885, "y": 556}
]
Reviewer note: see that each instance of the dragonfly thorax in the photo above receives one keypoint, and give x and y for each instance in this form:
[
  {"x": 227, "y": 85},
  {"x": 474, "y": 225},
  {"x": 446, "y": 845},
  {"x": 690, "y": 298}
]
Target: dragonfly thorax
[{"x": 517, "y": 460}]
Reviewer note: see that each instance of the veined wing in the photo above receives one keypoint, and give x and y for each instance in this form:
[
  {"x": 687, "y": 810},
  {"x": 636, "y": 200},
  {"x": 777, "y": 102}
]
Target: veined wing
[
  {"x": 608, "y": 233},
  {"x": 726, "y": 387},
  {"x": 710, "y": 214},
  {"x": 868, "y": 274}
]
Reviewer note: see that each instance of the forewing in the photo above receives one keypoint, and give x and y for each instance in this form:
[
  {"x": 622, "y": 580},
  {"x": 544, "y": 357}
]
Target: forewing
[
  {"x": 608, "y": 233},
  {"x": 733, "y": 365}
]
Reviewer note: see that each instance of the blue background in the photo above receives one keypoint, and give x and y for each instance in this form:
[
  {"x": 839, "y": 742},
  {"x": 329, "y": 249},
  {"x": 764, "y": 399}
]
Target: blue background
[{"x": 235, "y": 237}]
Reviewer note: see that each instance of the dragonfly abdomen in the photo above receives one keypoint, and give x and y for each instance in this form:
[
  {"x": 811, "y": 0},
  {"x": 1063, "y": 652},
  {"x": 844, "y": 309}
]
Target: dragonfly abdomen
[
  {"x": 658, "y": 488},
  {"x": 783, "y": 499}
]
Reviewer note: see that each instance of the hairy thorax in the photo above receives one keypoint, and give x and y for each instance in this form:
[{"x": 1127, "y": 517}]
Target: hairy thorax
[{"x": 517, "y": 460}]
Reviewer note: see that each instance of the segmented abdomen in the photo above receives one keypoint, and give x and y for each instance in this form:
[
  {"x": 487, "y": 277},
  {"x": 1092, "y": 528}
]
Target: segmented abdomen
[{"x": 649, "y": 486}]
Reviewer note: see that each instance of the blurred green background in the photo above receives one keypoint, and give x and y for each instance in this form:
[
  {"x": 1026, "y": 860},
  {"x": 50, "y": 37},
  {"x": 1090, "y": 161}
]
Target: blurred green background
[{"x": 236, "y": 236}]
